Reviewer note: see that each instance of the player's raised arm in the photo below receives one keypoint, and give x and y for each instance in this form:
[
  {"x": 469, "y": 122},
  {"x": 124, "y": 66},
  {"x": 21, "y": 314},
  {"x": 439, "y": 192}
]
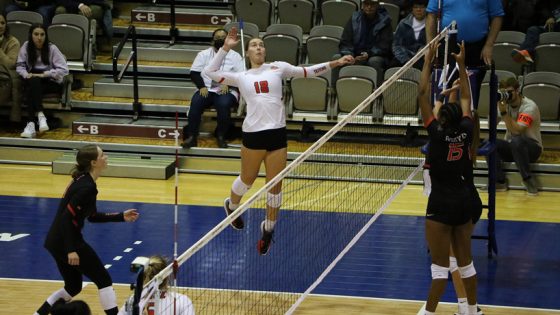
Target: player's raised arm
[{"x": 424, "y": 86}]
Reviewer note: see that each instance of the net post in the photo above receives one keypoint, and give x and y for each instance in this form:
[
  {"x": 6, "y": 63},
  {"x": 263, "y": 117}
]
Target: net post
[{"x": 492, "y": 244}]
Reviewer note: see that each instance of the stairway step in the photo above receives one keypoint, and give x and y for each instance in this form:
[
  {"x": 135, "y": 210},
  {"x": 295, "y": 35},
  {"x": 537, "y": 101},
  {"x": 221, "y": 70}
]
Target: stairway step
[
  {"x": 151, "y": 128},
  {"x": 124, "y": 165},
  {"x": 200, "y": 16},
  {"x": 163, "y": 52},
  {"x": 147, "y": 88}
]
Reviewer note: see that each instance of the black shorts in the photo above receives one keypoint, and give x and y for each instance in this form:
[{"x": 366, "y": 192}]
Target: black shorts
[
  {"x": 476, "y": 206},
  {"x": 269, "y": 140},
  {"x": 451, "y": 210}
]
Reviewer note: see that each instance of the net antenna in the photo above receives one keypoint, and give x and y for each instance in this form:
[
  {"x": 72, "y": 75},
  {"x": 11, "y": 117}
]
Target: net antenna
[
  {"x": 452, "y": 30},
  {"x": 241, "y": 106},
  {"x": 332, "y": 194},
  {"x": 175, "y": 265}
]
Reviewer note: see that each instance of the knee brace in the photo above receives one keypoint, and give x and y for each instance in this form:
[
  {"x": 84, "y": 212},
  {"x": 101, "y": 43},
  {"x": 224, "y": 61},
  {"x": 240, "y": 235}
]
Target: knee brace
[
  {"x": 108, "y": 298},
  {"x": 439, "y": 272},
  {"x": 239, "y": 187},
  {"x": 61, "y": 294},
  {"x": 467, "y": 271},
  {"x": 274, "y": 201},
  {"x": 453, "y": 264}
]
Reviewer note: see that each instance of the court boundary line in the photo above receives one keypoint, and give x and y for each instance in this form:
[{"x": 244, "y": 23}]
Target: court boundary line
[{"x": 315, "y": 295}]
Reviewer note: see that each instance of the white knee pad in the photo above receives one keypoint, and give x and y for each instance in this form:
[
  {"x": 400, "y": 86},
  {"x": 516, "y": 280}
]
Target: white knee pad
[
  {"x": 239, "y": 187},
  {"x": 60, "y": 294},
  {"x": 453, "y": 264},
  {"x": 108, "y": 298},
  {"x": 439, "y": 272},
  {"x": 274, "y": 201},
  {"x": 467, "y": 271}
]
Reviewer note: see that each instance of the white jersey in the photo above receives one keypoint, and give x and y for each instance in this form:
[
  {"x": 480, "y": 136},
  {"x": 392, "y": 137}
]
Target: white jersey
[
  {"x": 262, "y": 89},
  {"x": 233, "y": 62},
  {"x": 168, "y": 303}
]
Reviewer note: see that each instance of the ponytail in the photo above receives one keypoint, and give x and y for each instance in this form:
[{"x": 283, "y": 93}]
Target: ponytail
[
  {"x": 156, "y": 264},
  {"x": 84, "y": 157}
]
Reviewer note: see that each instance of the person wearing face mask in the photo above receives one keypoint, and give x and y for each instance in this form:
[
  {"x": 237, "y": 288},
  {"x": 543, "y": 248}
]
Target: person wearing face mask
[
  {"x": 210, "y": 92},
  {"x": 522, "y": 143}
]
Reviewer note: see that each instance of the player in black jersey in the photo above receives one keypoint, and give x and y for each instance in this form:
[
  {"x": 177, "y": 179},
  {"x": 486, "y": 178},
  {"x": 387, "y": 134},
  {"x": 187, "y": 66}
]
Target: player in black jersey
[
  {"x": 449, "y": 213},
  {"x": 65, "y": 242},
  {"x": 476, "y": 203}
]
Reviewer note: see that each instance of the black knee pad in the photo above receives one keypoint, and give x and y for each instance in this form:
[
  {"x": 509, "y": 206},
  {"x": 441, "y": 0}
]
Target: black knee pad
[{"x": 73, "y": 289}]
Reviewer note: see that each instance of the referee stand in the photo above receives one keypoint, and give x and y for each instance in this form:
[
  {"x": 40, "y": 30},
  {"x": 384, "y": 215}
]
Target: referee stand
[{"x": 489, "y": 149}]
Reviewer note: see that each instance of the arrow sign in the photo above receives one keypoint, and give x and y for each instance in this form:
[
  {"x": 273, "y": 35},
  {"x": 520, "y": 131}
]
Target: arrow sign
[
  {"x": 181, "y": 17},
  {"x": 7, "y": 237},
  {"x": 81, "y": 129},
  {"x": 175, "y": 133}
]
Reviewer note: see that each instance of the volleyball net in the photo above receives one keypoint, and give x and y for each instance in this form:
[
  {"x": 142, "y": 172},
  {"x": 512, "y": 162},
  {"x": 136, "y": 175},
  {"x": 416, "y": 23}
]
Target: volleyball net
[{"x": 332, "y": 193}]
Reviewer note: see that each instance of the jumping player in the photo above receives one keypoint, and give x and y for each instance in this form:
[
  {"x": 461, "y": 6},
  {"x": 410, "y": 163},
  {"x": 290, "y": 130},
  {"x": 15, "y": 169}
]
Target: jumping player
[
  {"x": 449, "y": 211},
  {"x": 264, "y": 127},
  {"x": 65, "y": 242}
]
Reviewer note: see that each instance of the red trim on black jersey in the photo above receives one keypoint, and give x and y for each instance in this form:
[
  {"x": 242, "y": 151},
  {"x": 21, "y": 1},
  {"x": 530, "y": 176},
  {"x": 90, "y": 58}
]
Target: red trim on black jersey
[
  {"x": 222, "y": 80},
  {"x": 429, "y": 121},
  {"x": 69, "y": 207},
  {"x": 304, "y": 72}
]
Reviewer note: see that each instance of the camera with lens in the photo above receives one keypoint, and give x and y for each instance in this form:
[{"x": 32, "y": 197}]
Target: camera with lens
[{"x": 504, "y": 95}]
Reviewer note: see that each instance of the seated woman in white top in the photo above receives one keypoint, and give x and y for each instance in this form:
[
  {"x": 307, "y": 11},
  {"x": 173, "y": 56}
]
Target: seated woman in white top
[{"x": 264, "y": 127}]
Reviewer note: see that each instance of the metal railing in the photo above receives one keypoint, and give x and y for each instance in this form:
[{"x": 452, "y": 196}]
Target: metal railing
[{"x": 132, "y": 57}]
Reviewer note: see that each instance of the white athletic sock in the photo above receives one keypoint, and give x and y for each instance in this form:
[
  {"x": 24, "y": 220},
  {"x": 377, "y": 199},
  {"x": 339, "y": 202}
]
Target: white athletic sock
[
  {"x": 57, "y": 295},
  {"x": 428, "y": 313},
  {"x": 40, "y": 115},
  {"x": 463, "y": 306},
  {"x": 269, "y": 225},
  {"x": 108, "y": 298},
  {"x": 473, "y": 309},
  {"x": 233, "y": 206}
]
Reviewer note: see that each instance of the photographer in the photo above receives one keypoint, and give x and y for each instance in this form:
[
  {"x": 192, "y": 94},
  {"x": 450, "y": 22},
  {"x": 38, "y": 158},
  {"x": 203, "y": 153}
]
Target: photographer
[{"x": 522, "y": 142}]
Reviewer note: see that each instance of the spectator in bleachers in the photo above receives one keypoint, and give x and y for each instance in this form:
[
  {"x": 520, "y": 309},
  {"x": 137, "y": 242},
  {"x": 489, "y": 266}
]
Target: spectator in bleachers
[
  {"x": 42, "y": 67},
  {"x": 522, "y": 143},
  {"x": 43, "y": 7},
  {"x": 3, "y": 4},
  {"x": 99, "y": 10},
  {"x": 478, "y": 24},
  {"x": 367, "y": 37},
  {"x": 10, "y": 82},
  {"x": 520, "y": 15},
  {"x": 410, "y": 35},
  {"x": 550, "y": 14},
  {"x": 209, "y": 93}
]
